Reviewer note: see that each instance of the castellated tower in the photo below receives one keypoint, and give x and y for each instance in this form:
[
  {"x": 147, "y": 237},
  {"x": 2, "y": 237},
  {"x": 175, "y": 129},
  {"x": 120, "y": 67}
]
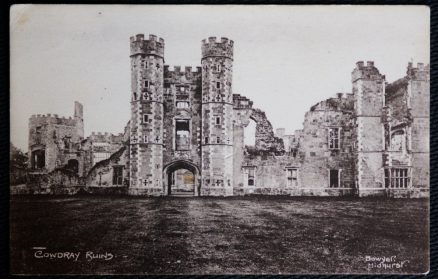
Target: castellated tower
[
  {"x": 217, "y": 117},
  {"x": 369, "y": 92},
  {"x": 146, "y": 135}
]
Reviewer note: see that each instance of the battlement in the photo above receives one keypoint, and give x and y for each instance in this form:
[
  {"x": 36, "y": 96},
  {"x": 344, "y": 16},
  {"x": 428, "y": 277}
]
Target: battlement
[
  {"x": 213, "y": 47},
  {"x": 421, "y": 72},
  {"x": 106, "y": 137},
  {"x": 43, "y": 119},
  {"x": 368, "y": 71},
  {"x": 152, "y": 46},
  {"x": 177, "y": 69}
]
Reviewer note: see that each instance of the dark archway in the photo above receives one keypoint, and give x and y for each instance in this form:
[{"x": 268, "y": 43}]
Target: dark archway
[
  {"x": 189, "y": 175},
  {"x": 73, "y": 165}
]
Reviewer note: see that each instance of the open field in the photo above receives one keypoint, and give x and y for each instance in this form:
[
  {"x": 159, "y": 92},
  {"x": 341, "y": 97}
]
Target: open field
[{"x": 238, "y": 235}]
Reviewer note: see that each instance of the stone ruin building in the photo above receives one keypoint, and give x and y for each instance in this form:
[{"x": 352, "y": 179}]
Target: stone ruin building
[{"x": 186, "y": 136}]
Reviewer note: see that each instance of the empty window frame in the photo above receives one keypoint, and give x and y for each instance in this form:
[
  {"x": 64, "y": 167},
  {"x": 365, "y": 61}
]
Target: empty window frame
[
  {"x": 334, "y": 138},
  {"x": 292, "y": 177},
  {"x": 397, "y": 178},
  {"x": 334, "y": 178},
  {"x": 398, "y": 141},
  {"x": 117, "y": 175},
  {"x": 182, "y": 134}
]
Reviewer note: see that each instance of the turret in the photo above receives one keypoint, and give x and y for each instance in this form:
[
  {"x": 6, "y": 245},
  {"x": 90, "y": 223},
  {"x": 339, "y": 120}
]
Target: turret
[
  {"x": 217, "y": 116},
  {"x": 146, "y": 125}
]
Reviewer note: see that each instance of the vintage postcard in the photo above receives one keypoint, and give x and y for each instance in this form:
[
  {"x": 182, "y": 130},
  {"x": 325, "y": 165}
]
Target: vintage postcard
[{"x": 219, "y": 139}]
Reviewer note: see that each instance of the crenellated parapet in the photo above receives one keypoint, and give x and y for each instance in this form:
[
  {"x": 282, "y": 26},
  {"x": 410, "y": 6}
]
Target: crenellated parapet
[
  {"x": 152, "y": 46},
  {"x": 421, "y": 72},
  {"x": 106, "y": 137},
  {"x": 368, "y": 71},
  {"x": 43, "y": 119},
  {"x": 180, "y": 74},
  {"x": 215, "y": 48}
]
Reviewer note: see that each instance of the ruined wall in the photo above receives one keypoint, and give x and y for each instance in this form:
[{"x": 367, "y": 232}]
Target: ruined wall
[
  {"x": 265, "y": 138},
  {"x": 102, "y": 174},
  {"x": 57, "y": 182},
  {"x": 59, "y": 138},
  {"x": 146, "y": 124},
  {"x": 318, "y": 157},
  {"x": 181, "y": 87},
  {"x": 242, "y": 112}
]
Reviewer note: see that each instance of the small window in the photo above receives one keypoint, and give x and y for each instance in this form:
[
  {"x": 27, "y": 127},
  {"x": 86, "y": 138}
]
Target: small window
[
  {"x": 145, "y": 118},
  {"x": 135, "y": 96},
  {"x": 334, "y": 179},
  {"x": 117, "y": 175},
  {"x": 206, "y": 140},
  {"x": 145, "y": 139},
  {"x": 146, "y": 83},
  {"x": 218, "y": 120},
  {"x": 218, "y": 140},
  {"x": 292, "y": 177},
  {"x": 218, "y": 85},
  {"x": 333, "y": 138},
  {"x": 251, "y": 176}
]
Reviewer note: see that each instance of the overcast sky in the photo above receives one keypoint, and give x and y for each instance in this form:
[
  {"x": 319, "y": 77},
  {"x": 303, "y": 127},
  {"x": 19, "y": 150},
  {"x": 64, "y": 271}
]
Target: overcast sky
[{"x": 286, "y": 58}]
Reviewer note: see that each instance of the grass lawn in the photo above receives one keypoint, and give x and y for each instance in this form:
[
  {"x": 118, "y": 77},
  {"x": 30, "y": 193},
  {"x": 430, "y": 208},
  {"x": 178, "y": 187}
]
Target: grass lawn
[{"x": 238, "y": 235}]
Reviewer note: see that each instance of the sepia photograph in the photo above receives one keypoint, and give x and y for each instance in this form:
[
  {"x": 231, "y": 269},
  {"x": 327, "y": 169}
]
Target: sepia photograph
[{"x": 216, "y": 140}]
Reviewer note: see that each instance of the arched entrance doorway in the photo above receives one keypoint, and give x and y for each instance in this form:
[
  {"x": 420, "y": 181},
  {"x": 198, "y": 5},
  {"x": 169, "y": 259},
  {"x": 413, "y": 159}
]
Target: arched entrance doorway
[{"x": 181, "y": 178}]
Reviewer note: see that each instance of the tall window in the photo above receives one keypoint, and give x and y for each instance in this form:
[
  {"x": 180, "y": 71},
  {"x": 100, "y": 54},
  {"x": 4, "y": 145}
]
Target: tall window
[
  {"x": 334, "y": 179},
  {"x": 218, "y": 85},
  {"x": 218, "y": 140},
  {"x": 145, "y": 118},
  {"x": 182, "y": 134},
  {"x": 333, "y": 138},
  {"x": 292, "y": 177},
  {"x": 397, "y": 178},
  {"x": 206, "y": 140},
  {"x": 146, "y": 83},
  {"x": 145, "y": 139},
  {"x": 218, "y": 120},
  {"x": 117, "y": 175}
]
